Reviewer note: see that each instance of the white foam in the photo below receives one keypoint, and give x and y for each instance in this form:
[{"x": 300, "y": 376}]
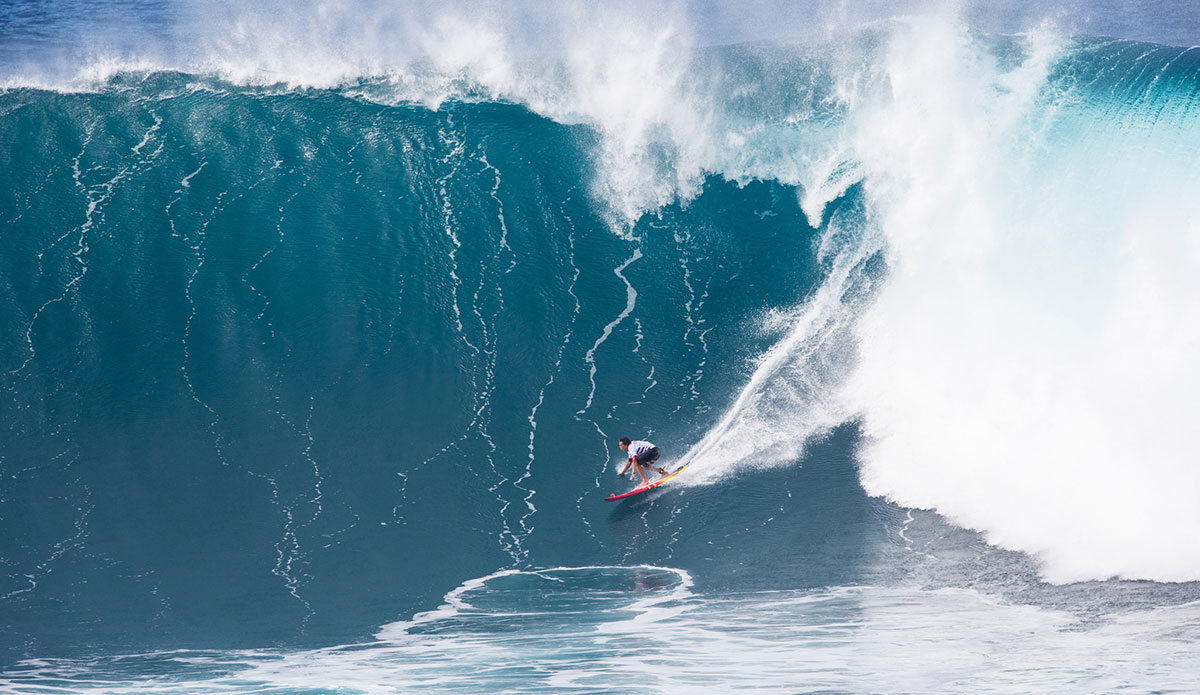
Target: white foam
[
  {"x": 788, "y": 399},
  {"x": 1028, "y": 368},
  {"x": 598, "y": 630}
]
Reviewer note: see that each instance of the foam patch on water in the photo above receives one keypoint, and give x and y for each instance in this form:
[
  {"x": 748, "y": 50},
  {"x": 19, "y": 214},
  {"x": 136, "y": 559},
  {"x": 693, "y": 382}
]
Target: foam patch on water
[{"x": 646, "y": 629}]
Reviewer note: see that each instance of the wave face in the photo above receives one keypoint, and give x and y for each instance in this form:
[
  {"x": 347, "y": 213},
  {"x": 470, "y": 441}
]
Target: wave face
[
  {"x": 281, "y": 365},
  {"x": 293, "y": 346}
]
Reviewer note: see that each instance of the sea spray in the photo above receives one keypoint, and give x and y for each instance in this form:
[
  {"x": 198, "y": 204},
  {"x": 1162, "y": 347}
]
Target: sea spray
[{"x": 1026, "y": 366}]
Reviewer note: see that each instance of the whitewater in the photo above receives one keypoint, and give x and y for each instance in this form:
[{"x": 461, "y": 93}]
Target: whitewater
[{"x": 321, "y": 323}]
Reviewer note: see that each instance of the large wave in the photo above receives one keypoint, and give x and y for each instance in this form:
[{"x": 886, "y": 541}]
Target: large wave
[{"x": 1009, "y": 306}]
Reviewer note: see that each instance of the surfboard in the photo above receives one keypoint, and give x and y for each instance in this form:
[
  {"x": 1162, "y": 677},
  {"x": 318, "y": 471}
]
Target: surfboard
[{"x": 647, "y": 487}]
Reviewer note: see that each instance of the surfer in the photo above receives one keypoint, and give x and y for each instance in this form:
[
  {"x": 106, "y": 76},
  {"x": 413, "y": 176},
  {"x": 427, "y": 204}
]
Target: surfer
[{"x": 640, "y": 453}]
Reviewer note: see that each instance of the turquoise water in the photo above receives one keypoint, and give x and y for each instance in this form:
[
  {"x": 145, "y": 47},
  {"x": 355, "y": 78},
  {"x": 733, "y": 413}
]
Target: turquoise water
[{"x": 314, "y": 368}]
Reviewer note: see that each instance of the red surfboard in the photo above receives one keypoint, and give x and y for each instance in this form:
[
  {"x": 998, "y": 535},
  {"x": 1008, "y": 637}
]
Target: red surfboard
[{"x": 644, "y": 488}]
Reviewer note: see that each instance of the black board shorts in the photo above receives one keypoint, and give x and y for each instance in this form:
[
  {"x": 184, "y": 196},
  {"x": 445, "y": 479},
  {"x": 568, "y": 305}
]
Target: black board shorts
[{"x": 648, "y": 456}]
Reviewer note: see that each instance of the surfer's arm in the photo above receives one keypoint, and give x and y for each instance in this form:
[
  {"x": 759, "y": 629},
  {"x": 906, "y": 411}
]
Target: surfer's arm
[{"x": 626, "y": 468}]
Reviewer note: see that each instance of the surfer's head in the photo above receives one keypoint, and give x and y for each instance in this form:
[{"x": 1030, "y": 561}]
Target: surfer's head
[{"x": 623, "y": 442}]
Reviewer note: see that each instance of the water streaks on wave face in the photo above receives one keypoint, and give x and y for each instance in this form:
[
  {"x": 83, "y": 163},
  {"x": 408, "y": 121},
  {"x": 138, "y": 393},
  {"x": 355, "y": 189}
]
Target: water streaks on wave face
[{"x": 314, "y": 326}]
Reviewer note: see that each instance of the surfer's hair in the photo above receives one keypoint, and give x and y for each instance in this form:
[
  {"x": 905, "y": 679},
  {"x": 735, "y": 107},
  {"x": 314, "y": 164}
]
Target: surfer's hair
[{"x": 623, "y": 440}]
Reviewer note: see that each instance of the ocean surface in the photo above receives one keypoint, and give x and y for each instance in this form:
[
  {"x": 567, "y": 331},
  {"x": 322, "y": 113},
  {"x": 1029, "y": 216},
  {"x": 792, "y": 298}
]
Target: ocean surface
[{"x": 319, "y": 324}]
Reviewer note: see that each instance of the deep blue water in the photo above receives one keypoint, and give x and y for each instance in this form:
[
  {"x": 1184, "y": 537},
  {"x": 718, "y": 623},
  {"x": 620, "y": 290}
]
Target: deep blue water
[
  {"x": 287, "y": 363},
  {"x": 258, "y": 379}
]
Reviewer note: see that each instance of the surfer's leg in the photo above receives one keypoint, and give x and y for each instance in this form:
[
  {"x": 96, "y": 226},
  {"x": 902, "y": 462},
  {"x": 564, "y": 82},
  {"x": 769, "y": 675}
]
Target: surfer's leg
[{"x": 648, "y": 460}]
